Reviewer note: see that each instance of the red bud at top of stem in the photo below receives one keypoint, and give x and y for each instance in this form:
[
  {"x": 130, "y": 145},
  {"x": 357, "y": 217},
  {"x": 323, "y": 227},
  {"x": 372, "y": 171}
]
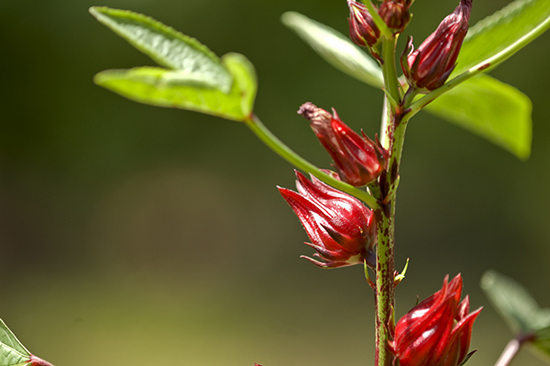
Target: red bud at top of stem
[
  {"x": 362, "y": 30},
  {"x": 395, "y": 14},
  {"x": 430, "y": 65}
]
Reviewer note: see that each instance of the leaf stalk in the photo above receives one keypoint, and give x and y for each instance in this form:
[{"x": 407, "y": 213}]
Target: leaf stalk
[{"x": 268, "y": 138}]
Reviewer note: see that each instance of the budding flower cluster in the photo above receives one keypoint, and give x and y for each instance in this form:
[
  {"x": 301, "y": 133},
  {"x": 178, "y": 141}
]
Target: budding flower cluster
[
  {"x": 437, "y": 331},
  {"x": 342, "y": 230},
  {"x": 358, "y": 159},
  {"x": 430, "y": 65},
  {"x": 362, "y": 28}
]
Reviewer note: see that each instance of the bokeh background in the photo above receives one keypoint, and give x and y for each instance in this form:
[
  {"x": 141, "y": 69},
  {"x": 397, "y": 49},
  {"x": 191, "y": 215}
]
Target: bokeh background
[{"x": 137, "y": 235}]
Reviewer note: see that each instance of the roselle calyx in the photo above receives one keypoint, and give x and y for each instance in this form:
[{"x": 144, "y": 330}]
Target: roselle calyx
[
  {"x": 358, "y": 159},
  {"x": 362, "y": 29},
  {"x": 437, "y": 331},
  {"x": 430, "y": 65},
  {"x": 342, "y": 230}
]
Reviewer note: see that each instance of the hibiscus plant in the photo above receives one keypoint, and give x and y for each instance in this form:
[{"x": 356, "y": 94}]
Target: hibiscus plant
[{"x": 348, "y": 212}]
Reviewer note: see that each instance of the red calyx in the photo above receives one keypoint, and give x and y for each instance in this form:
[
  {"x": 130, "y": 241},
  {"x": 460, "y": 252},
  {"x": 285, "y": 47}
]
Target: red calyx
[
  {"x": 437, "y": 331},
  {"x": 358, "y": 159},
  {"x": 342, "y": 230}
]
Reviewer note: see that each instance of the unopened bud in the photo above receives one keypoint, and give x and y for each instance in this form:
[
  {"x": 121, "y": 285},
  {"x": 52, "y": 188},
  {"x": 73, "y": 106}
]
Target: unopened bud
[
  {"x": 37, "y": 361},
  {"x": 430, "y": 65},
  {"x": 358, "y": 159},
  {"x": 362, "y": 29},
  {"x": 395, "y": 14}
]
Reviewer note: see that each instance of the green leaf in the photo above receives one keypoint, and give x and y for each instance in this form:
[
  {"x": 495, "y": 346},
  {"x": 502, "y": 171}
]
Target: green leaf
[
  {"x": 244, "y": 74},
  {"x": 515, "y": 304},
  {"x": 166, "y": 88},
  {"x": 506, "y": 31},
  {"x": 519, "y": 309},
  {"x": 491, "y": 109},
  {"x": 12, "y": 352},
  {"x": 196, "y": 78},
  {"x": 542, "y": 341},
  {"x": 335, "y": 48},
  {"x": 167, "y": 47}
]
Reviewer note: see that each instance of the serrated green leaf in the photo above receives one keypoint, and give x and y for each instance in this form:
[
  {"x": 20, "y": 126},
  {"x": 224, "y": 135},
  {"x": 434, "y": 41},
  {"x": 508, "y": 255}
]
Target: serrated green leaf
[
  {"x": 515, "y": 304},
  {"x": 335, "y": 48},
  {"x": 167, "y": 47},
  {"x": 507, "y": 30},
  {"x": 166, "y": 88},
  {"x": 12, "y": 352},
  {"x": 491, "y": 109}
]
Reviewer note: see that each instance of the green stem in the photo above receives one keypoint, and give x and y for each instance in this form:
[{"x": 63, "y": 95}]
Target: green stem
[
  {"x": 286, "y": 153},
  {"x": 392, "y": 90},
  {"x": 386, "y": 32},
  {"x": 385, "y": 268},
  {"x": 392, "y": 138},
  {"x": 384, "y": 283},
  {"x": 389, "y": 69},
  {"x": 431, "y": 96}
]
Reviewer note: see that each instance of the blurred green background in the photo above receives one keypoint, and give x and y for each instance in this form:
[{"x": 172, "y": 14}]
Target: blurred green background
[{"x": 137, "y": 235}]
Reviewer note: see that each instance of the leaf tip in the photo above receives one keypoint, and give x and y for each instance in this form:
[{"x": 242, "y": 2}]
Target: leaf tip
[
  {"x": 96, "y": 10},
  {"x": 289, "y": 17},
  {"x": 488, "y": 279},
  {"x": 524, "y": 155},
  {"x": 98, "y": 78}
]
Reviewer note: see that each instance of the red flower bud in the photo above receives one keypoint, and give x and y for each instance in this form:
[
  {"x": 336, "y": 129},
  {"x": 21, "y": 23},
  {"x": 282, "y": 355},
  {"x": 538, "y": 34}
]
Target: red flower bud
[
  {"x": 395, "y": 14},
  {"x": 437, "y": 331},
  {"x": 342, "y": 230},
  {"x": 36, "y": 361},
  {"x": 362, "y": 30},
  {"x": 431, "y": 64},
  {"x": 359, "y": 160}
]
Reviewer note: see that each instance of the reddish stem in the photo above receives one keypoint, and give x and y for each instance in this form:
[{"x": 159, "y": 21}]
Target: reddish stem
[{"x": 512, "y": 348}]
